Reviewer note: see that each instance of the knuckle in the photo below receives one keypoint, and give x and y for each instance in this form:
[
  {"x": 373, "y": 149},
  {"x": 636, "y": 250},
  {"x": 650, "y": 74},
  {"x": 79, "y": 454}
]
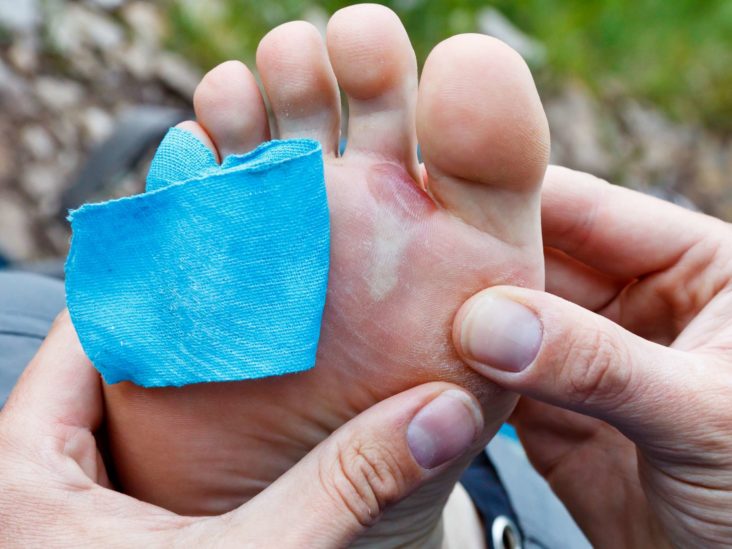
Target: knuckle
[
  {"x": 596, "y": 368},
  {"x": 364, "y": 479}
]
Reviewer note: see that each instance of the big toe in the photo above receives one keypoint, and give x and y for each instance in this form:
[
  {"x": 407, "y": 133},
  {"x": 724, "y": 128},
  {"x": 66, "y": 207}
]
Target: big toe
[{"x": 484, "y": 136}]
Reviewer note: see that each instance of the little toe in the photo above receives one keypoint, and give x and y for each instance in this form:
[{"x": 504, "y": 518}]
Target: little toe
[
  {"x": 484, "y": 136},
  {"x": 197, "y": 130},
  {"x": 376, "y": 66},
  {"x": 299, "y": 81},
  {"x": 229, "y": 106}
]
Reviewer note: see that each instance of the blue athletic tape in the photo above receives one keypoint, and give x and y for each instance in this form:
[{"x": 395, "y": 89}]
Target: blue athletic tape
[{"x": 215, "y": 273}]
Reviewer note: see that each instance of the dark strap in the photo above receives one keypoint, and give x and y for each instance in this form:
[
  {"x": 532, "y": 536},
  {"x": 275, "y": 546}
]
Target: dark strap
[{"x": 490, "y": 498}]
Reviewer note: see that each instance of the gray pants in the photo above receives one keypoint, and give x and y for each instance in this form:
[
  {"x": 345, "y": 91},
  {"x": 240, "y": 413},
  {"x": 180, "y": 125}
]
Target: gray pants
[{"x": 29, "y": 303}]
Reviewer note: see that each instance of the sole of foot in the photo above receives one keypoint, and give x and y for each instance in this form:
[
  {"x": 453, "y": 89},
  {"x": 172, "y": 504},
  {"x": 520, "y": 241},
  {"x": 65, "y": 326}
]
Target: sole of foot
[{"x": 410, "y": 242}]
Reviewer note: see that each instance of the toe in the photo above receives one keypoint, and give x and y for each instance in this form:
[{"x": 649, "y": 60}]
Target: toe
[
  {"x": 300, "y": 84},
  {"x": 376, "y": 67},
  {"x": 484, "y": 136},
  {"x": 229, "y": 106},
  {"x": 197, "y": 130}
]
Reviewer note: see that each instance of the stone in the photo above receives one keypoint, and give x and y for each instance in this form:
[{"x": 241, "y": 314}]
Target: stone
[
  {"x": 661, "y": 143},
  {"x": 96, "y": 123},
  {"x": 493, "y": 23},
  {"x": 6, "y": 162},
  {"x": 178, "y": 74},
  {"x": 67, "y": 67},
  {"x": 58, "y": 235},
  {"x": 138, "y": 59},
  {"x": 15, "y": 93},
  {"x": 19, "y": 16},
  {"x": 41, "y": 180},
  {"x": 23, "y": 54},
  {"x": 108, "y": 5},
  {"x": 577, "y": 141},
  {"x": 102, "y": 32},
  {"x": 37, "y": 141},
  {"x": 16, "y": 235},
  {"x": 73, "y": 27},
  {"x": 58, "y": 94},
  {"x": 66, "y": 131},
  {"x": 44, "y": 183},
  {"x": 708, "y": 180},
  {"x": 145, "y": 22}
]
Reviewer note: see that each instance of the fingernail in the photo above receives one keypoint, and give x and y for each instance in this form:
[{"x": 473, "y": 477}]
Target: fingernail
[
  {"x": 444, "y": 429},
  {"x": 501, "y": 333}
]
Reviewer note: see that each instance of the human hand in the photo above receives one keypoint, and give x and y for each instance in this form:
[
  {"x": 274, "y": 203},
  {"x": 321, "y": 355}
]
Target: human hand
[
  {"x": 54, "y": 490},
  {"x": 640, "y": 347}
]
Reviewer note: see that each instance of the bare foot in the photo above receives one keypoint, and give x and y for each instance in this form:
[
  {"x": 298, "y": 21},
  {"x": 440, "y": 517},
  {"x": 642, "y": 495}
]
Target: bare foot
[{"x": 409, "y": 244}]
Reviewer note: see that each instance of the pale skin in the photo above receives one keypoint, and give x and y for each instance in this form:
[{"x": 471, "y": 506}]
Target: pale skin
[{"x": 409, "y": 244}]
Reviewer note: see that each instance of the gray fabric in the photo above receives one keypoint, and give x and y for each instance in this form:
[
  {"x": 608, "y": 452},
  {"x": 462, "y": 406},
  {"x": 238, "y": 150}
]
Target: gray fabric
[
  {"x": 543, "y": 519},
  {"x": 28, "y": 305}
]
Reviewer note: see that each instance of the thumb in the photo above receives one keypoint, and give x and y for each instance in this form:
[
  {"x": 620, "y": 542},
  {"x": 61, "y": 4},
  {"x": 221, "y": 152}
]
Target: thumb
[
  {"x": 345, "y": 484},
  {"x": 552, "y": 350},
  {"x": 60, "y": 386}
]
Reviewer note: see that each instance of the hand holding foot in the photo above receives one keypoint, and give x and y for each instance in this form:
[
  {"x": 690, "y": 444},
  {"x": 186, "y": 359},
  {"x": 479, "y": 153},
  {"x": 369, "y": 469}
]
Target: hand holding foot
[
  {"x": 651, "y": 364},
  {"x": 54, "y": 489}
]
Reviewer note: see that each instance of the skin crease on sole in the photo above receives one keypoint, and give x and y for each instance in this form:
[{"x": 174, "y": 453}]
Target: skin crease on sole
[{"x": 409, "y": 244}]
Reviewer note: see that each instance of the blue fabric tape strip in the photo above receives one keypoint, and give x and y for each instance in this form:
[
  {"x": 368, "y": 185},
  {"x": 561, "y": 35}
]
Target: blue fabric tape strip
[{"x": 215, "y": 273}]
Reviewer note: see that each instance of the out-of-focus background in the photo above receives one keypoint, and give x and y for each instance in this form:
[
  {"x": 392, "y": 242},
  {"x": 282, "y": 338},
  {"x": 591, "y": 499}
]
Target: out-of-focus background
[{"x": 637, "y": 91}]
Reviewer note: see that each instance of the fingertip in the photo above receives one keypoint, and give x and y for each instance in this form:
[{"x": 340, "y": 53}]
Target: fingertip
[{"x": 445, "y": 428}]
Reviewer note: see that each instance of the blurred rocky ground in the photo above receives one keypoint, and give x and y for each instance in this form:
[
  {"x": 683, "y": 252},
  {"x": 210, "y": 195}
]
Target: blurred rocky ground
[
  {"x": 627, "y": 141},
  {"x": 636, "y": 145},
  {"x": 69, "y": 70}
]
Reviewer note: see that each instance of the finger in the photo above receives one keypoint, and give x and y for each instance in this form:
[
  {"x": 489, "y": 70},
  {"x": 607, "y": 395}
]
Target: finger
[
  {"x": 549, "y": 349},
  {"x": 576, "y": 282},
  {"x": 59, "y": 386},
  {"x": 589, "y": 465},
  {"x": 343, "y": 486},
  {"x": 615, "y": 230}
]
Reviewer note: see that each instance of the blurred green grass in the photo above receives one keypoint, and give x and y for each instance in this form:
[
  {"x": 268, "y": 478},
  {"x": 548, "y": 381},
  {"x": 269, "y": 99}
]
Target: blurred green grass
[{"x": 676, "y": 54}]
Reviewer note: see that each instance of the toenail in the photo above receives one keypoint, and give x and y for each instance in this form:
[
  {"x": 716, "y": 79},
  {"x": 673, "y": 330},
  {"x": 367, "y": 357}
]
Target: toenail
[
  {"x": 500, "y": 333},
  {"x": 444, "y": 429}
]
